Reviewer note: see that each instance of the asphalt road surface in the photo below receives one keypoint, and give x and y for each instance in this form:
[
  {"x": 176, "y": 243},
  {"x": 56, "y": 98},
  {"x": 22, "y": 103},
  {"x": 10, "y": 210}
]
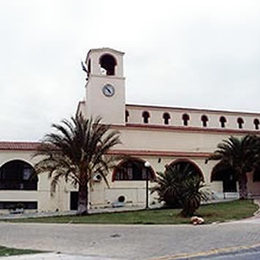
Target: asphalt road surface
[{"x": 138, "y": 241}]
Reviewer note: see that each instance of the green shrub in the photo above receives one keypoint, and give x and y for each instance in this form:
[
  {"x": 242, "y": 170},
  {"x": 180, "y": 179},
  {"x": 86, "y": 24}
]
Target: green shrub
[{"x": 180, "y": 186}]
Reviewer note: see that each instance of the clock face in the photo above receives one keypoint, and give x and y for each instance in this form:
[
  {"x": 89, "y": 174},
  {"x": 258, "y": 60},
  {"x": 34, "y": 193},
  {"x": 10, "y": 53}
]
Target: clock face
[{"x": 108, "y": 90}]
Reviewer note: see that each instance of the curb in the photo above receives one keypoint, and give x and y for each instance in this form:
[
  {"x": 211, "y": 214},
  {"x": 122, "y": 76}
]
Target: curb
[
  {"x": 211, "y": 252},
  {"x": 257, "y": 213}
]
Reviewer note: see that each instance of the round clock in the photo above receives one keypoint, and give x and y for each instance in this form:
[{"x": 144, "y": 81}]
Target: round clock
[{"x": 108, "y": 90}]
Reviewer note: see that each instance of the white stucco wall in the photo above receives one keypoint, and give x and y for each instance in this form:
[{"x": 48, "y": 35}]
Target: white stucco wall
[{"x": 156, "y": 117}]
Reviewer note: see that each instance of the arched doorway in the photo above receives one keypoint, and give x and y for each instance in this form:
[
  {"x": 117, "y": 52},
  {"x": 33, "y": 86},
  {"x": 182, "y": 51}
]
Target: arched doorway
[
  {"x": 132, "y": 170},
  {"x": 17, "y": 175},
  {"x": 226, "y": 174}
]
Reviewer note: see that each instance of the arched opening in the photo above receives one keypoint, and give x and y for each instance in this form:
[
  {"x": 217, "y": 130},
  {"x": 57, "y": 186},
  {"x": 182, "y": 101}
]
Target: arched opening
[
  {"x": 126, "y": 115},
  {"x": 240, "y": 122},
  {"x": 132, "y": 170},
  {"x": 89, "y": 66},
  {"x": 222, "y": 121},
  {"x": 185, "y": 118},
  {"x": 18, "y": 175},
  {"x": 187, "y": 165},
  {"x": 256, "y": 123},
  {"x": 166, "y": 118},
  {"x": 107, "y": 63},
  {"x": 227, "y": 175},
  {"x": 146, "y": 116},
  {"x": 204, "y": 120}
]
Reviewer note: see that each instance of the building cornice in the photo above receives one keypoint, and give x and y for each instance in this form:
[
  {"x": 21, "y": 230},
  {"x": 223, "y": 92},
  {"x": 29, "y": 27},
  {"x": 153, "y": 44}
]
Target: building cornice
[
  {"x": 191, "y": 129},
  {"x": 32, "y": 146},
  {"x": 18, "y": 146},
  {"x": 159, "y": 153}
]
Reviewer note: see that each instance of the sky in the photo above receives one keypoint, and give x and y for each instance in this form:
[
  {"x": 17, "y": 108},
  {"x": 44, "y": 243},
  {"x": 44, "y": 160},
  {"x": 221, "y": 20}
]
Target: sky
[{"x": 180, "y": 53}]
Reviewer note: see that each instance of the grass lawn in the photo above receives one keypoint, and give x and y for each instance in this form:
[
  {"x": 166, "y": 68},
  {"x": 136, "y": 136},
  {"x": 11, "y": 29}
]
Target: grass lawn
[
  {"x": 211, "y": 213},
  {"x": 5, "y": 251}
]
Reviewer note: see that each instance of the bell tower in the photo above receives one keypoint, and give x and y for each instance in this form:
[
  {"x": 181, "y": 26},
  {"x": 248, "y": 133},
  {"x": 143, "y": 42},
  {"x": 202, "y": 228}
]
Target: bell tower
[{"x": 105, "y": 88}]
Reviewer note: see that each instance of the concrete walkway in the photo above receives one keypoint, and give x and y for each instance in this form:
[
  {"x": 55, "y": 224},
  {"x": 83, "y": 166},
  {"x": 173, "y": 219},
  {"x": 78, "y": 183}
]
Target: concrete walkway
[{"x": 129, "y": 241}]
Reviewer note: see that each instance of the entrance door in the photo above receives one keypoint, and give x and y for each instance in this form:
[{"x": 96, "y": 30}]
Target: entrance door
[
  {"x": 229, "y": 183},
  {"x": 74, "y": 196}
]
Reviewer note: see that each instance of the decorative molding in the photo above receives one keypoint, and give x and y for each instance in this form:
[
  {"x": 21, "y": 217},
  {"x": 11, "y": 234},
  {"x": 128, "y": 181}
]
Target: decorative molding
[
  {"x": 186, "y": 129},
  {"x": 159, "y": 153},
  {"x": 19, "y": 146}
]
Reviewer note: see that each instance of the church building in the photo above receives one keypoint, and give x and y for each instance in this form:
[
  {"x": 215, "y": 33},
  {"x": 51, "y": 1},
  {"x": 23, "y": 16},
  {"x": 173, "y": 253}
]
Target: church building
[{"x": 153, "y": 136}]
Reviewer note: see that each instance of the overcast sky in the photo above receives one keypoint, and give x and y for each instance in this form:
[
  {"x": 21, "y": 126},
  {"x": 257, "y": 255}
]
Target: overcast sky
[{"x": 184, "y": 53}]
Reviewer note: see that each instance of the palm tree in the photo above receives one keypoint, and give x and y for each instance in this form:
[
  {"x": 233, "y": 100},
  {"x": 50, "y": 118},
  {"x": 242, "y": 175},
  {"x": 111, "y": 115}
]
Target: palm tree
[
  {"x": 180, "y": 186},
  {"x": 77, "y": 152},
  {"x": 239, "y": 154}
]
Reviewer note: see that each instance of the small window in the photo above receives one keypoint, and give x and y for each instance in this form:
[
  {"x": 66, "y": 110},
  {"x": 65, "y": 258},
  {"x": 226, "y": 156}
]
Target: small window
[
  {"x": 256, "y": 123},
  {"x": 222, "y": 121},
  {"x": 204, "y": 120},
  {"x": 126, "y": 115},
  {"x": 240, "y": 122},
  {"x": 185, "y": 118},
  {"x": 166, "y": 118},
  {"x": 146, "y": 116},
  {"x": 18, "y": 204}
]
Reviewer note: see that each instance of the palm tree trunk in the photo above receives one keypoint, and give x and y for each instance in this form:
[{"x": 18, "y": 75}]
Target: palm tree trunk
[
  {"x": 242, "y": 183},
  {"x": 83, "y": 200}
]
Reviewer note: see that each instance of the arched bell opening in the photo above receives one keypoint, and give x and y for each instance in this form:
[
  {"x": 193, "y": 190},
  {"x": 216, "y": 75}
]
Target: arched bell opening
[{"x": 107, "y": 64}]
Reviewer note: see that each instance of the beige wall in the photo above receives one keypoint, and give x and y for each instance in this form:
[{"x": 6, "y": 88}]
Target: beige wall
[{"x": 137, "y": 138}]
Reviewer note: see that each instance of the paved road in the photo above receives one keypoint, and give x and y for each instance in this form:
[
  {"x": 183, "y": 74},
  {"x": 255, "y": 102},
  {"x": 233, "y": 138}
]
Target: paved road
[{"x": 130, "y": 241}]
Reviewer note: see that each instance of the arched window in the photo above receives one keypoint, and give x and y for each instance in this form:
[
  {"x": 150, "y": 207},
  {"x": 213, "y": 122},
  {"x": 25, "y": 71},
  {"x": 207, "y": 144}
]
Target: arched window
[
  {"x": 240, "y": 122},
  {"x": 204, "y": 120},
  {"x": 166, "y": 118},
  {"x": 126, "y": 115},
  {"x": 107, "y": 63},
  {"x": 256, "y": 123},
  {"x": 187, "y": 166},
  {"x": 146, "y": 116},
  {"x": 222, "y": 121},
  {"x": 185, "y": 118},
  {"x": 18, "y": 175},
  {"x": 132, "y": 170}
]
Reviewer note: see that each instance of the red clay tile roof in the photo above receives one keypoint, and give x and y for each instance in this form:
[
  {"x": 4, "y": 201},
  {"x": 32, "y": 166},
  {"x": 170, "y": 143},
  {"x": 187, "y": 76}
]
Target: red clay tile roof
[
  {"x": 32, "y": 146},
  {"x": 21, "y": 146}
]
